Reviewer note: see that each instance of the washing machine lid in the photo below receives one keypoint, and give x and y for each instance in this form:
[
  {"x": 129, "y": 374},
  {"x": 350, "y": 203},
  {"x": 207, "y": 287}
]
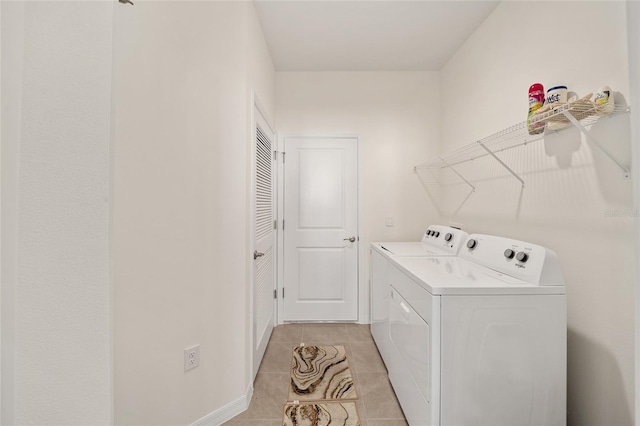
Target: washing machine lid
[
  {"x": 455, "y": 276},
  {"x": 410, "y": 249},
  {"x": 437, "y": 240}
]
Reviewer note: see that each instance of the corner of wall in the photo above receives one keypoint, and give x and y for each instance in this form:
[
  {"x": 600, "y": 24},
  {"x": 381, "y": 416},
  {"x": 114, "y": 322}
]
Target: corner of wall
[
  {"x": 228, "y": 411},
  {"x": 12, "y": 22},
  {"x": 633, "y": 34}
]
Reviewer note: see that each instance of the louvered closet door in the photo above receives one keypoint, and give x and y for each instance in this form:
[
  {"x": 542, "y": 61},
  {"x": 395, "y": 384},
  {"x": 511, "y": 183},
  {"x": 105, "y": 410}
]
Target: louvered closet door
[{"x": 264, "y": 255}]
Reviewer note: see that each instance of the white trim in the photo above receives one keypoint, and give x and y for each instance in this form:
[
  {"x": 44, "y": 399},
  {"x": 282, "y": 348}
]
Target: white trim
[
  {"x": 252, "y": 227},
  {"x": 280, "y": 229},
  {"x": 227, "y": 412},
  {"x": 255, "y": 105},
  {"x": 363, "y": 290}
]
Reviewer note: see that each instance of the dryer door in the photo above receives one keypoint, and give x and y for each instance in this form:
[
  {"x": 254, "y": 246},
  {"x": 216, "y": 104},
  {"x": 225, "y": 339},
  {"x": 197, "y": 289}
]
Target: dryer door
[
  {"x": 410, "y": 359},
  {"x": 380, "y": 303},
  {"x": 410, "y": 335}
]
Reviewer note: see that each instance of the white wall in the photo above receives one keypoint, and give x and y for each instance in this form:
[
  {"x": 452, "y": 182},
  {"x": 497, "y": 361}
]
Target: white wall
[
  {"x": 183, "y": 74},
  {"x": 633, "y": 16},
  {"x": 395, "y": 114},
  {"x": 576, "y": 201},
  {"x": 56, "y": 70}
]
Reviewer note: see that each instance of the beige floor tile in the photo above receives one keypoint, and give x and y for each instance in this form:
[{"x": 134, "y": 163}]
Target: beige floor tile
[
  {"x": 277, "y": 358},
  {"x": 377, "y": 404},
  {"x": 361, "y": 410},
  {"x": 359, "y": 332},
  {"x": 379, "y": 399},
  {"x": 269, "y": 395},
  {"x": 287, "y": 333},
  {"x": 364, "y": 357},
  {"x": 325, "y": 334}
]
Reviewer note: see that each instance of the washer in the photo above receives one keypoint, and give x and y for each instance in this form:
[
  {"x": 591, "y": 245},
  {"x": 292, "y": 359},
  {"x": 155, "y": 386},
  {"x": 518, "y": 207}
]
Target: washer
[
  {"x": 479, "y": 339},
  {"x": 437, "y": 240}
]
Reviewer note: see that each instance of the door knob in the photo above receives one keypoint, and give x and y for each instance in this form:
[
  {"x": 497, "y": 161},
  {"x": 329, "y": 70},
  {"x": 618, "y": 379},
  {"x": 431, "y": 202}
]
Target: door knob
[
  {"x": 350, "y": 239},
  {"x": 256, "y": 254}
]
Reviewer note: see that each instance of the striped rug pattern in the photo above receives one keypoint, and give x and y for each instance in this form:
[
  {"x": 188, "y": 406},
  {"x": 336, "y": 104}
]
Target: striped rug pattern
[
  {"x": 321, "y": 389},
  {"x": 320, "y": 373},
  {"x": 321, "y": 414}
]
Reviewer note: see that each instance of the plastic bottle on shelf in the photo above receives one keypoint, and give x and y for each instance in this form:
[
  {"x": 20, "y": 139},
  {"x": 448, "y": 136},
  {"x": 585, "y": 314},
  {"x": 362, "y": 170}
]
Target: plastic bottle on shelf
[
  {"x": 604, "y": 100},
  {"x": 536, "y": 100}
]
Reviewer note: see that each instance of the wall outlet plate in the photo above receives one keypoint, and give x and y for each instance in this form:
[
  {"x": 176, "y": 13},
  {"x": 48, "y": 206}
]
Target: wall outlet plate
[{"x": 191, "y": 357}]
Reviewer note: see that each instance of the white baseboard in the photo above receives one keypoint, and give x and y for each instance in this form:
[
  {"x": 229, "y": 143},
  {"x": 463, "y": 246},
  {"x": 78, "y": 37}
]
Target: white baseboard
[{"x": 227, "y": 412}]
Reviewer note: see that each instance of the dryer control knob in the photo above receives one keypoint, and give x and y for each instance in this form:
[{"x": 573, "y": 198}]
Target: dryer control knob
[
  {"x": 508, "y": 253},
  {"x": 471, "y": 244},
  {"x": 448, "y": 237},
  {"x": 522, "y": 256}
]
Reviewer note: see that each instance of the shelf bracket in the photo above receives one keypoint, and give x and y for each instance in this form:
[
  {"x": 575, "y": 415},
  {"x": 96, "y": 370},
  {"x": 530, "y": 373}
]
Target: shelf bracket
[
  {"x": 509, "y": 169},
  {"x": 594, "y": 140},
  {"x": 473, "y": 188}
]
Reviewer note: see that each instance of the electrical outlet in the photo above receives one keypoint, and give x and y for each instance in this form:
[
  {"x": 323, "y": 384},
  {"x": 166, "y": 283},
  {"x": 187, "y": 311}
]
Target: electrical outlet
[
  {"x": 388, "y": 221},
  {"x": 191, "y": 357}
]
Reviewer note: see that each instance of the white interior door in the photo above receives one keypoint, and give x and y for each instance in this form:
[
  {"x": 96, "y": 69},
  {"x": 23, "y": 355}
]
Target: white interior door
[
  {"x": 264, "y": 306},
  {"x": 320, "y": 232}
]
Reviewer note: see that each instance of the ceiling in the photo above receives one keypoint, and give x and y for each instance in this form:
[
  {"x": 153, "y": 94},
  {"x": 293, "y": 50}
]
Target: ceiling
[{"x": 391, "y": 35}]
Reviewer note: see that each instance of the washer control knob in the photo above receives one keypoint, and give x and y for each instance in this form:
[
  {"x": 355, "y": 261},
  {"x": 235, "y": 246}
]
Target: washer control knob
[
  {"x": 448, "y": 237},
  {"x": 508, "y": 253},
  {"x": 429, "y": 232},
  {"x": 437, "y": 234},
  {"x": 522, "y": 256},
  {"x": 471, "y": 244}
]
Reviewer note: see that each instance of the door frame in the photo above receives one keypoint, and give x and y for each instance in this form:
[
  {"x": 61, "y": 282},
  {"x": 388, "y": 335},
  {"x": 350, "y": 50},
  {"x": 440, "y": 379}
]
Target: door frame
[
  {"x": 255, "y": 104},
  {"x": 363, "y": 288}
]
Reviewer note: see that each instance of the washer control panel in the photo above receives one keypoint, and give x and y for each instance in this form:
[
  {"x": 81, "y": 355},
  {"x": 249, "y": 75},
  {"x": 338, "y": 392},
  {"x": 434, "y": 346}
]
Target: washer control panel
[
  {"x": 445, "y": 238},
  {"x": 526, "y": 261}
]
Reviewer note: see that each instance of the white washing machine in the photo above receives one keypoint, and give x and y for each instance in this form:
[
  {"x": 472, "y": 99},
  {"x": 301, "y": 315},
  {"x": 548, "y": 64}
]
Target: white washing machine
[
  {"x": 438, "y": 240},
  {"x": 479, "y": 339}
]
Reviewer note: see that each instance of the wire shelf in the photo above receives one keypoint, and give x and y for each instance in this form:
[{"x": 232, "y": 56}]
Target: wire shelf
[{"x": 581, "y": 114}]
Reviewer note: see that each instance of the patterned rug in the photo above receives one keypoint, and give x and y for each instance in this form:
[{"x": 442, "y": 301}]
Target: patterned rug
[
  {"x": 320, "y": 388},
  {"x": 321, "y": 373},
  {"x": 321, "y": 414}
]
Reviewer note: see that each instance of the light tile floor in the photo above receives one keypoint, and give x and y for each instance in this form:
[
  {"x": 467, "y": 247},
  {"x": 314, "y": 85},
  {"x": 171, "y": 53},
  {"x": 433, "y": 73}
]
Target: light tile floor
[{"x": 377, "y": 403}]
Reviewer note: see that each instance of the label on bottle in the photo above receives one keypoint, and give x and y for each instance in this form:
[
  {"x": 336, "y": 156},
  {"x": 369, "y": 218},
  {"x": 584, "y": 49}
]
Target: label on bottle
[
  {"x": 536, "y": 100},
  {"x": 602, "y": 97}
]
